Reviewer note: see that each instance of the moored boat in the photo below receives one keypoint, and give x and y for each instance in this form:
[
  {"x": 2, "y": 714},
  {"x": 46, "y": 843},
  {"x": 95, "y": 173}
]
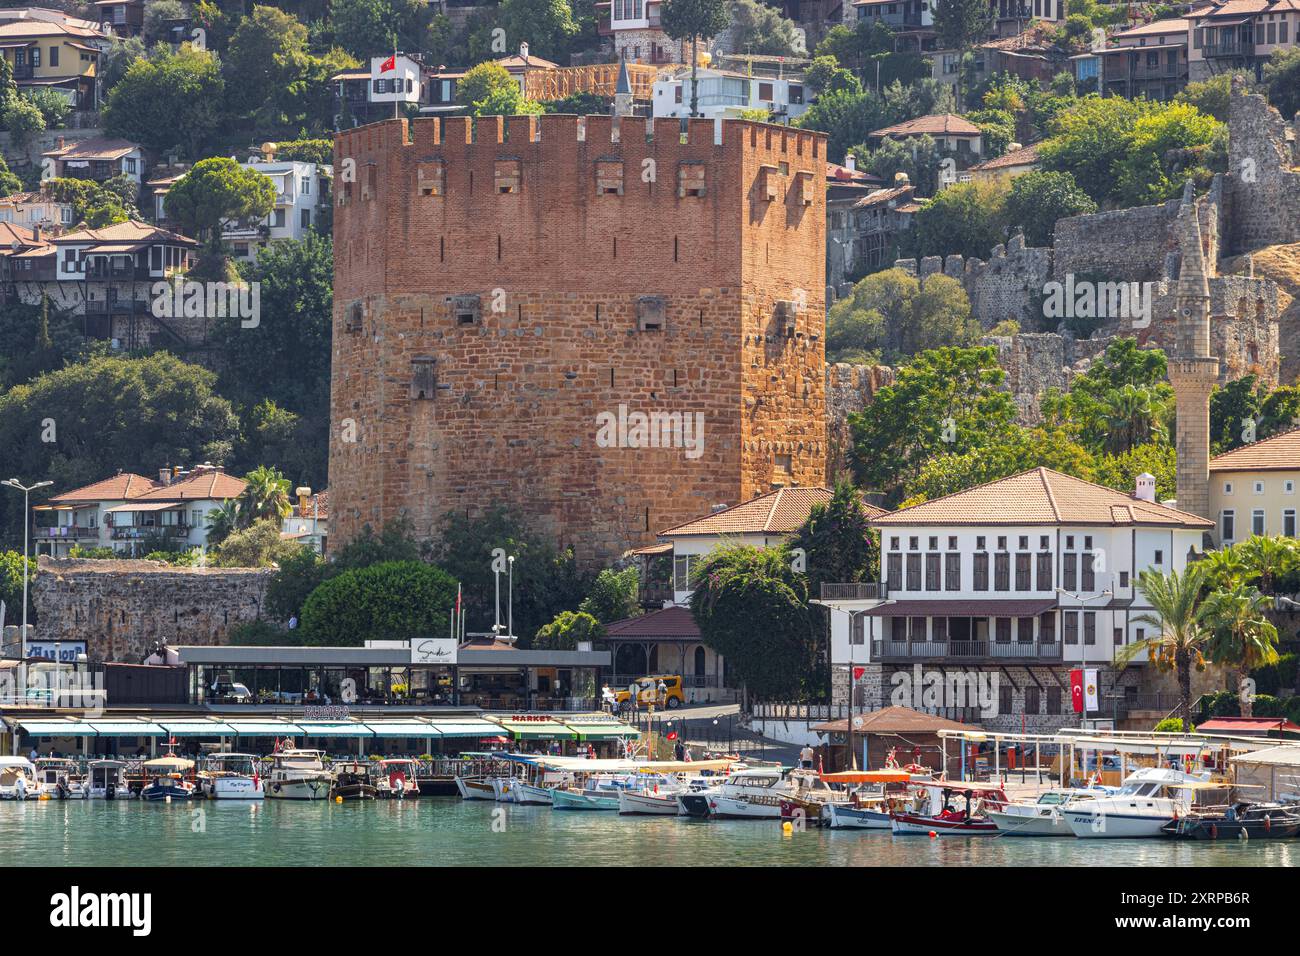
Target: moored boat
[
  {"x": 1259, "y": 821},
  {"x": 397, "y": 779},
  {"x": 1044, "y": 816},
  {"x": 167, "y": 783},
  {"x": 106, "y": 780},
  {"x": 231, "y": 776},
  {"x": 352, "y": 781},
  {"x": 1149, "y": 799},
  {"x": 18, "y": 779},
  {"x": 57, "y": 778},
  {"x": 564, "y": 799},
  {"x": 475, "y": 788},
  {"x": 647, "y": 802},
  {"x": 298, "y": 775},
  {"x": 951, "y": 808}
]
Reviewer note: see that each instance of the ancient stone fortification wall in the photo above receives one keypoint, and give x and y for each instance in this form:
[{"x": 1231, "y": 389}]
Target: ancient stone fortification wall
[
  {"x": 849, "y": 389},
  {"x": 501, "y": 285},
  {"x": 1263, "y": 181},
  {"x": 1124, "y": 244},
  {"x": 120, "y": 608}
]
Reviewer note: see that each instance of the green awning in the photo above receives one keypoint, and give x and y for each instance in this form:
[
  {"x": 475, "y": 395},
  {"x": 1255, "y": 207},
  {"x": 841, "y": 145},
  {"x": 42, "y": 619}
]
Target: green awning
[
  {"x": 538, "y": 730},
  {"x": 57, "y": 728},
  {"x": 263, "y": 728},
  {"x": 127, "y": 728},
  {"x": 402, "y": 728},
  {"x": 468, "y": 728},
  {"x": 608, "y": 731},
  {"x": 197, "y": 728},
  {"x": 333, "y": 728}
]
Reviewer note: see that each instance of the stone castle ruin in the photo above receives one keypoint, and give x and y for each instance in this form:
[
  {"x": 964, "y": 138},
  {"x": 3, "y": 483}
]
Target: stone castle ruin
[{"x": 1250, "y": 223}]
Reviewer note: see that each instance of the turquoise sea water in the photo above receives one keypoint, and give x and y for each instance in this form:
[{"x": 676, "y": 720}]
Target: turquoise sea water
[{"x": 447, "y": 831}]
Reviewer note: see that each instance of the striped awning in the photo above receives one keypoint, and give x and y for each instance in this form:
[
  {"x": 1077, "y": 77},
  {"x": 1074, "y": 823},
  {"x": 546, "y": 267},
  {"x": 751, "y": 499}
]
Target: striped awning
[
  {"x": 127, "y": 728},
  {"x": 263, "y": 728},
  {"x": 468, "y": 728},
  {"x": 334, "y": 728},
  {"x": 197, "y": 728},
  {"x": 403, "y": 728},
  {"x": 57, "y": 728}
]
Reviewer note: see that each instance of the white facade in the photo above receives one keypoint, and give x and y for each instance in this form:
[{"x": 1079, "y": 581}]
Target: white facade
[
  {"x": 300, "y": 192},
  {"x": 398, "y": 85},
  {"x": 723, "y": 93}
]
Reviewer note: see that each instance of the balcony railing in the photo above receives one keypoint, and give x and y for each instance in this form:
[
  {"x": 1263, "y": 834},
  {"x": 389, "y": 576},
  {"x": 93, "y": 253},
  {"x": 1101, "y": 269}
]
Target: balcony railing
[
  {"x": 857, "y": 591},
  {"x": 1231, "y": 48},
  {"x": 147, "y": 531},
  {"x": 67, "y": 531},
  {"x": 887, "y": 650}
]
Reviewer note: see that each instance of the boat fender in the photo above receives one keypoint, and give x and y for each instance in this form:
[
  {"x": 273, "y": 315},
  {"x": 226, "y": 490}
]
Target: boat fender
[
  {"x": 1214, "y": 831},
  {"x": 1268, "y": 824}
]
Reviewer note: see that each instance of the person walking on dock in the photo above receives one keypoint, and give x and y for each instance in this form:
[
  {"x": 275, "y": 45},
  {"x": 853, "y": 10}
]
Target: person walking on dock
[{"x": 806, "y": 757}]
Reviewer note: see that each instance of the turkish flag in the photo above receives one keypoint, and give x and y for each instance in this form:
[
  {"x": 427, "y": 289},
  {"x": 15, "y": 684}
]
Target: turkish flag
[
  {"x": 672, "y": 735},
  {"x": 858, "y": 672},
  {"x": 389, "y": 64},
  {"x": 1076, "y": 690}
]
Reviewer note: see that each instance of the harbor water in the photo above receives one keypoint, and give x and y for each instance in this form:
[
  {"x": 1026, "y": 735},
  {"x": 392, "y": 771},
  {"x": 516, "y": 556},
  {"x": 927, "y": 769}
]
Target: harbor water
[{"x": 446, "y": 831}]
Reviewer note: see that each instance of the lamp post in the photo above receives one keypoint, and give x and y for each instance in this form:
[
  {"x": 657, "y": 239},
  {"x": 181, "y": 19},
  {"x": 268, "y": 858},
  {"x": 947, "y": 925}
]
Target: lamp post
[
  {"x": 510, "y": 598},
  {"x": 27, "y": 491}
]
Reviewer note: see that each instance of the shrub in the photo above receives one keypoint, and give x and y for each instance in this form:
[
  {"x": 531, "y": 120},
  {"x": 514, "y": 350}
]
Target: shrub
[{"x": 1173, "y": 725}]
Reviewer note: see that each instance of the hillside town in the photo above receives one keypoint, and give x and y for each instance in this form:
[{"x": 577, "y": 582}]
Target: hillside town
[{"x": 853, "y": 414}]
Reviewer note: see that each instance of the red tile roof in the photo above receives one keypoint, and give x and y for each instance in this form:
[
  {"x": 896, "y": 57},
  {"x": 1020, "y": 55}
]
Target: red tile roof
[
  {"x": 1024, "y": 156},
  {"x": 940, "y": 124},
  {"x": 777, "y": 512},
  {"x": 205, "y": 485},
  {"x": 895, "y": 720},
  {"x": 1041, "y": 496},
  {"x": 671, "y": 623},
  {"x": 1279, "y": 453},
  {"x": 123, "y": 486}
]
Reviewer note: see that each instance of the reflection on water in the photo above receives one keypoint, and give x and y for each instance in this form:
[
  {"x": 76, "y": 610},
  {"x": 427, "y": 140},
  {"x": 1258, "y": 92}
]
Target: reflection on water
[{"x": 450, "y": 832}]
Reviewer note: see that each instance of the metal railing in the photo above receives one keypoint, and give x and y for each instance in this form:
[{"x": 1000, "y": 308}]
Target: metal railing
[
  {"x": 886, "y": 650},
  {"x": 855, "y": 591},
  {"x": 793, "y": 710}
]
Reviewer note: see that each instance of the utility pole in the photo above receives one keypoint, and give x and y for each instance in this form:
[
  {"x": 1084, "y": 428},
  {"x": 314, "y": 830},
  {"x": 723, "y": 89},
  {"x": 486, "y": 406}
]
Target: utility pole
[{"x": 15, "y": 484}]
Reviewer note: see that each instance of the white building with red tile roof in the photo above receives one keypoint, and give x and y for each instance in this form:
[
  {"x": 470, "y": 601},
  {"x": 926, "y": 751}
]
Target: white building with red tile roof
[
  {"x": 128, "y": 510},
  {"x": 1024, "y": 579}
]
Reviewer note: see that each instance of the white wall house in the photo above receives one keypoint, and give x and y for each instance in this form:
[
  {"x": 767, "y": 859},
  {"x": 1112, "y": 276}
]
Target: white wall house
[
  {"x": 727, "y": 93},
  {"x": 300, "y": 192},
  {"x": 129, "y": 511},
  {"x": 1027, "y": 577}
]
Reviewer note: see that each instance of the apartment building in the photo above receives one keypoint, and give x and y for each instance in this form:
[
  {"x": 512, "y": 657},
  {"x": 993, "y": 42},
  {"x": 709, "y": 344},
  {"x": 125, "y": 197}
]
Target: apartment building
[{"x": 1253, "y": 489}]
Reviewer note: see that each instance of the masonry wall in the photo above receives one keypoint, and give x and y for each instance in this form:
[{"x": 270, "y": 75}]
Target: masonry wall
[
  {"x": 434, "y": 414},
  {"x": 120, "y": 608},
  {"x": 849, "y": 389},
  {"x": 1263, "y": 180}
]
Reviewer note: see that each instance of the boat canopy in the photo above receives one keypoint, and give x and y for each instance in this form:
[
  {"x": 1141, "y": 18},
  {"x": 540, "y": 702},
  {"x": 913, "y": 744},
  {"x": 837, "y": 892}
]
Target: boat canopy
[
  {"x": 868, "y": 776},
  {"x": 177, "y": 763}
]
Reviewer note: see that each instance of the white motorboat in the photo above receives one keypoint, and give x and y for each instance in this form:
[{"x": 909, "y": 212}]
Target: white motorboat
[
  {"x": 648, "y": 802},
  {"x": 1044, "y": 816},
  {"x": 231, "y": 776},
  {"x": 503, "y": 789},
  {"x": 562, "y": 799},
  {"x": 871, "y": 815},
  {"x": 299, "y": 775},
  {"x": 396, "y": 779},
  {"x": 18, "y": 779},
  {"x": 1148, "y": 799},
  {"x": 753, "y": 793},
  {"x": 529, "y": 794},
  {"x": 107, "y": 781},
  {"x": 57, "y": 778}
]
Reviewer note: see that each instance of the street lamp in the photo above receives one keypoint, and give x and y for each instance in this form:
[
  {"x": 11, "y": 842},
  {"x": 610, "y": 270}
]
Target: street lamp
[{"x": 27, "y": 491}]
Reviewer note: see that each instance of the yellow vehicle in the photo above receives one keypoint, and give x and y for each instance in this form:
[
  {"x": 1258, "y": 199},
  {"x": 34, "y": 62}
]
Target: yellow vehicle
[{"x": 671, "y": 697}]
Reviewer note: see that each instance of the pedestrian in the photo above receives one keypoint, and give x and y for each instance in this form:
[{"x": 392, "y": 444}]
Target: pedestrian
[
  {"x": 680, "y": 750},
  {"x": 806, "y": 757},
  {"x": 35, "y": 754}
]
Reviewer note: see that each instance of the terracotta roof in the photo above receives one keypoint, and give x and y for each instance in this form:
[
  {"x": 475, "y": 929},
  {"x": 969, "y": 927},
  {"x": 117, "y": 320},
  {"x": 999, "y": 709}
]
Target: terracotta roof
[
  {"x": 206, "y": 485},
  {"x": 1279, "y": 453},
  {"x": 515, "y": 61},
  {"x": 20, "y": 29},
  {"x": 1041, "y": 496},
  {"x": 94, "y": 148},
  {"x": 1237, "y": 8},
  {"x": 1247, "y": 725},
  {"x": 1154, "y": 28},
  {"x": 894, "y": 720},
  {"x": 884, "y": 195},
  {"x": 318, "y": 506},
  {"x": 121, "y": 487},
  {"x": 777, "y": 512},
  {"x": 129, "y": 231},
  {"x": 835, "y": 173},
  {"x": 670, "y": 623},
  {"x": 11, "y": 233},
  {"x": 1024, "y": 156},
  {"x": 940, "y": 124}
]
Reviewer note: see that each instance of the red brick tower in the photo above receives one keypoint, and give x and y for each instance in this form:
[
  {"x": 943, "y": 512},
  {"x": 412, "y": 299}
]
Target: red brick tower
[{"x": 515, "y": 299}]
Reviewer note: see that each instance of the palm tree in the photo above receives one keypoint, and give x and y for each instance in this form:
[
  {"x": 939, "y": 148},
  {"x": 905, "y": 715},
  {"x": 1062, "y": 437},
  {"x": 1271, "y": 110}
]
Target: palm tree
[
  {"x": 1131, "y": 418},
  {"x": 1268, "y": 558},
  {"x": 223, "y": 521},
  {"x": 1180, "y": 634},
  {"x": 1225, "y": 568},
  {"x": 266, "y": 496},
  {"x": 1241, "y": 636}
]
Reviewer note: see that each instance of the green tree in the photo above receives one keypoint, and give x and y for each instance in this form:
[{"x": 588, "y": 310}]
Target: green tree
[
  {"x": 846, "y": 117},
  {"x": 111, "y": 413},
  {"x": 395, "y": 600},
  {"x": 1155, "y": 458},
  {"x": 1013, "y": 451},
  {"x": 892, "y": 315},
  {"x": 217, "y": 191},
  {"x": 265, "y": 496},
  {"x": 489, "y": 90},
  {"x": 257, "y": 546},
  {"x": 919, "y": 159},
  {"x": 1180, "y": 635},
  {"x": 1282, "y": 81},
  {"x": 1095, "y": 402},
  {"x": 760, "y": 29},
  {"x": 998, "y": 128},
  {"x": 1167, "y": 148},
  {"x": 568, "y": 629},
  {"x": 613, "y": 596},
  {"x": 547, "y": 26},
  {"x": 22, "y": 118},
  {"x": 825, "y": 75},
  {"x": 1246, "y": 410},
  {"x": 299, "y": 574},
  {"x": 367, "y": 28},
  {"x": 1038, "y": 199},
  {"x": 1210, "y": 96},
  {"x": 1241, "y": 636},
  {"x": 694, "y": 20},
  {"x": 223, "y": 521},
  {"x": 11, "y": 587},
  {"x": 945, "y": 401},
  {"x": 253, "y": 65},
  {"x": 167, "y": 101},
  {"x": 838, "y": 543},
  {"x": 967, "y": 219},
  {"x": 752, "y": 608},
  {"x": 1267, "y": 559},
  {"x": 55, "y": 108}
]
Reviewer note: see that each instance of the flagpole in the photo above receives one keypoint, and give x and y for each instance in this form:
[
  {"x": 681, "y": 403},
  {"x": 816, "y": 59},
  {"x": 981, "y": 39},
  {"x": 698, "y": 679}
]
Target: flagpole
[{"x": 395, "y": 93}]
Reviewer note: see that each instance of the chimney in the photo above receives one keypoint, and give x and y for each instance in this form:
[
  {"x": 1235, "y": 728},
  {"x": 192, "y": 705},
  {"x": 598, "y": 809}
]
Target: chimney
[
  {"x": 36, "y": 232},
  {"x": 1145, "y": 489},
  {"x": 165, "y": 475},
  {"x": 59, "y": 142},
  {"x": 851, "y": 163},
  {"x": 523, "y": 50}
]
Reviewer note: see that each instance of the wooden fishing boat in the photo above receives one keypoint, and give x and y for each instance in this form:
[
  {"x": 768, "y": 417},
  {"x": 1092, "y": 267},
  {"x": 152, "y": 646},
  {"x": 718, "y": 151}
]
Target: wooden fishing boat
[
  {"x": 475, "y": 788},
  {"x": 1258, "y": 821},
  {"x": 352, "y": 781},
  {"x": 951, "y": 808}
]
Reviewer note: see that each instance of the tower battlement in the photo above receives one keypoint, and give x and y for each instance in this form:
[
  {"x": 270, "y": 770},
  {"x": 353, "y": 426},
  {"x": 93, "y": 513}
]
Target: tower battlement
[{"x": 503, "y": 286}]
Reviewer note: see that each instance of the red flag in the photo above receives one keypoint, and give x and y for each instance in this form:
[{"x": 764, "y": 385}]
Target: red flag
[
  {"x": 389, "y": 64},
  {"x": 457, "y": 598},
  {"x": 858, "y": 672},
  {"x": 1076, "y": 690},
  {"x": 672, "y": 735}
]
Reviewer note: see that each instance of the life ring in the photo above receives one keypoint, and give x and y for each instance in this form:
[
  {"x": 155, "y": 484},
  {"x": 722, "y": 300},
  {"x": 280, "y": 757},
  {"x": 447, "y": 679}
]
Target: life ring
[{"x": 397, "y": 781}]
